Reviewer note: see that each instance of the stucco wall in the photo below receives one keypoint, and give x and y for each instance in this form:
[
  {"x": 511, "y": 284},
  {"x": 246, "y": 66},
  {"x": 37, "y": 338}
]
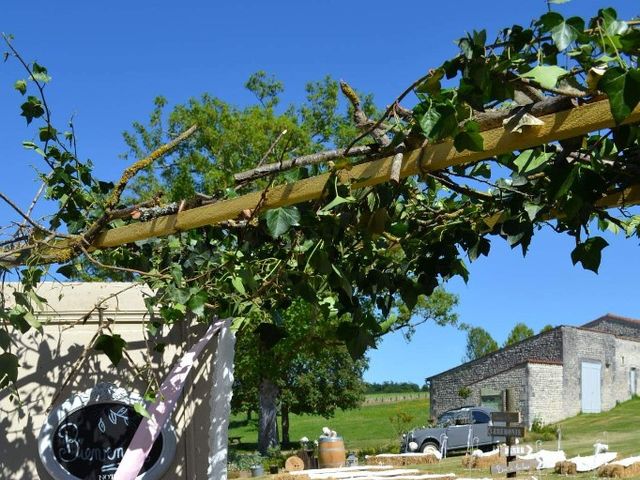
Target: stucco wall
[
  {"x": 48, "y": 358},
  {"x": 545, "y": 397},
  {"x": 546, "y": 346}
]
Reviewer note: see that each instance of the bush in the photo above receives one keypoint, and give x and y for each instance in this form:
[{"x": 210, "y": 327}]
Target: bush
[
  {"x": 401, "y": 422},
  {"x": 242, "y": 461},
  {"x": 540, "y": 431}
]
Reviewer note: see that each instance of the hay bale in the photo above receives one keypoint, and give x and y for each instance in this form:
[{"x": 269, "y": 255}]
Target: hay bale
[
  {"x": 400, "y": 460},
  {"x": 616, "y": 470},
  {"x": 288, "y": 476},
  {"x": 611, "y": 471},
  {"x": 566, "y": 468},
  {"x": 485, "y": 461}
]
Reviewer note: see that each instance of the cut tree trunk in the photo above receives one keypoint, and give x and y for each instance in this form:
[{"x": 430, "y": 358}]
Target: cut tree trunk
[{"x": 268, "y": 422}]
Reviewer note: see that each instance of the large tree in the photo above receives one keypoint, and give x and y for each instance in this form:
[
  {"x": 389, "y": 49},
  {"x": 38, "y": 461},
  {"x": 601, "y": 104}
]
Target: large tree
[
  {"x": 479, "y": 343},
  {"x": 282, "y": 350},
  {"x": 518, "y": 333}
]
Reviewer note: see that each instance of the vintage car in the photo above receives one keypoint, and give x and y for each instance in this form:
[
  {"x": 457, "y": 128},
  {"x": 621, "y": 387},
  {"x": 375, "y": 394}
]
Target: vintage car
[{"x": 458, "y": 429}]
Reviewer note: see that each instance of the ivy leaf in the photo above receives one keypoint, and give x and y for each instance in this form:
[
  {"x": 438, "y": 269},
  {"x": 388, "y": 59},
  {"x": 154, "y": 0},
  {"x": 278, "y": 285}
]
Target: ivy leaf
[
  {"x": 589, "y": 253},
  {"x": 111, "y": 346},
  {"x": 546, "y": 76},
  {"x": 31, "y": 109},
  {"x": 612, "y": 26},
  {"x": 39, "y": 73},
  {"x": 21, "y": 86},
  {"x": 141, "y": 409},
  {"x": 432, "y": 83},
  {"x": 469, "y": 139},
  {"x": 532, "y": 210},
  {"x": 566, "y": 32},
  {"x": 5, "y": 339},
  {"x": 530, "y": 161},
  {"x": 8, "y": 369},
  {"x": 280, "y": 220},
  {"x": 238, "y": 285},
  {"x": 196, "y": 302},
  {"x": 623, "y": 89}
]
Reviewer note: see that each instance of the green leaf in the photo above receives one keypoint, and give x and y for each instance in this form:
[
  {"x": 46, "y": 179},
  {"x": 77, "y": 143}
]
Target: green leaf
[
  {"x": 531, "y": 161},
  {"x": 469, "y": 139},
  {"x": 32, "y": 320},
  {"x": 238, "y": 285},
  {"x": 280, "y": 220},
  {"x": 432, "y": 84},
  {"x": 111, "y": 346},
  {"x": 612, "y": 26},
  {"x": 197, "y": 302},
  {"x": 532, "y": 210},
  {"x": 39, "y": 73},
  {"x": 5, "y": 339},
  {"x": 31, "y": 109},
  {"x": 566, "y": 32},
  {"x": 546, "y": 76},
  {"x": 21, "y": 86},
  {"x": 47, "y": 133},
  {"x": 589, "y": 253},
  {"x": 8, "y": 369},
  {"x": 140, "y": 409},
  {"x": 623, "y": 90}
]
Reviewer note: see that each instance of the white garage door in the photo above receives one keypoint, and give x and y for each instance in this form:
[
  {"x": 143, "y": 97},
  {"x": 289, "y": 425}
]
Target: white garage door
[{"x": 591, "y": 387}]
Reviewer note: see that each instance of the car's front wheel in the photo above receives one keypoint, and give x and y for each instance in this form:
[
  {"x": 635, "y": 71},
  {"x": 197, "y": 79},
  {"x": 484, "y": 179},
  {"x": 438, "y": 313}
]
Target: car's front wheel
[{"x": 430, "y": 447}]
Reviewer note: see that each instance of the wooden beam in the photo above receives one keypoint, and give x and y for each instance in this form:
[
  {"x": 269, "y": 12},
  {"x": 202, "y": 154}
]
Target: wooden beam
[{"x": 558, "y": 126}]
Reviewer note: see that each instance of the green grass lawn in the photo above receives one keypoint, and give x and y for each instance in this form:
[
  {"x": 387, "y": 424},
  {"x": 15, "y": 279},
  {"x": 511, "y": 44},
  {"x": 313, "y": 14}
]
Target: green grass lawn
[
  {"x": 366, "y": 427},
  {"x": 369, "y": 427}
]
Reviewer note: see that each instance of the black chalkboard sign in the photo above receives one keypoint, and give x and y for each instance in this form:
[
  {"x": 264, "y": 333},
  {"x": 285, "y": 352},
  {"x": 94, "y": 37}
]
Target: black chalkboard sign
[{"x": 90, "y": 442}]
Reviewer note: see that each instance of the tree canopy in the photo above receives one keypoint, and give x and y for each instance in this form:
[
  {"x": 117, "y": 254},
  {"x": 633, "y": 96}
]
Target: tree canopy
[
  {"x": 519, "y": 332},
  {"x": 479, "y": 343}
]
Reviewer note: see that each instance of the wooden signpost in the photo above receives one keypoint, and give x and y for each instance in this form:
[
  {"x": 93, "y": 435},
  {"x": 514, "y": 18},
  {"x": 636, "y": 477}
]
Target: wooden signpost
[{"x": 511, "y": 432}]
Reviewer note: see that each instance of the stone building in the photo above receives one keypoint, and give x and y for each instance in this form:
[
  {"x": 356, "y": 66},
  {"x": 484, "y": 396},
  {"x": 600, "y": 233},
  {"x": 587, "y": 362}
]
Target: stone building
[{"x": 550, "y": 376}]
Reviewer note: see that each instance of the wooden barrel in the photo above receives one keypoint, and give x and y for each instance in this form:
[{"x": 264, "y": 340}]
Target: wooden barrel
[{"x": 331, "y": 453}]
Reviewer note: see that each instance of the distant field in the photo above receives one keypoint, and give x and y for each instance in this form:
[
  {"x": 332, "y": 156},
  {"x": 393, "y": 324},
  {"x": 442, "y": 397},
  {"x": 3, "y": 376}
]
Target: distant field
[
  {"x": 393, "y": 397},
  {"x": 366, "y": 427}
]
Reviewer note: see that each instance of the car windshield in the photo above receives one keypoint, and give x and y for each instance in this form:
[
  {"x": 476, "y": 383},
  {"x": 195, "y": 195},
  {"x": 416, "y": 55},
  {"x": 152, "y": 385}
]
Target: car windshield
[
  {"x": 446, "y": 419},
  {"x": 454, "y": 418}
]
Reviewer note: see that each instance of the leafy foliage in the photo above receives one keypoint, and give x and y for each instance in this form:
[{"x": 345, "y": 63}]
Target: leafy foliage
[
  {"x": 366, "y": 261},
  {"x": 518, "y": 333},
  {"x": 479, "y": 343}
]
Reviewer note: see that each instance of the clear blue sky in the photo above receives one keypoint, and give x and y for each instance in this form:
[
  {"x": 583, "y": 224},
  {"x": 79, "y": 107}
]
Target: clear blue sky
[{"x": 109, "y": 60}]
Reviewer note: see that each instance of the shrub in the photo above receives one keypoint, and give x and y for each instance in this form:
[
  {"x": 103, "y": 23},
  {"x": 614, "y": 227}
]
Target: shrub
[
  {"x": 540, "y": 431},
  {"x": 401, "y": 422},
  {"x": 242, "y": 461}
]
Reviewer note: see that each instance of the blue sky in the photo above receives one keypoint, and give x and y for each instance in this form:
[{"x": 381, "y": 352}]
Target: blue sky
[{"x": 109, "y": 60}]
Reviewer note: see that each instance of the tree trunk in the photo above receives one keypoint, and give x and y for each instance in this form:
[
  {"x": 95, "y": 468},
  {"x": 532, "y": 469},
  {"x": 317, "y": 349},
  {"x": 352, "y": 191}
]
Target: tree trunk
[
  {"x": 284, "y": 412},
  {"x": 268, "y": 421}
]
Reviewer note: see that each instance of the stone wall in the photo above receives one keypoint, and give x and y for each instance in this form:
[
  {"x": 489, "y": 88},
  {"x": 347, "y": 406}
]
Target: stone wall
[
  {"x": 545, "y": 397},
  {"x": 546, "y": 346},
  {"x": 514, "y": 379},
  {"x": 616, "y": 355},
  {"x": 616, "y": 326},
  {"x": 49, "y": 358}
]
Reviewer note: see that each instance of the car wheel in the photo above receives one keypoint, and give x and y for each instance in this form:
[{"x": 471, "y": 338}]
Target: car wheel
[{"x": 430, "y": 447}]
